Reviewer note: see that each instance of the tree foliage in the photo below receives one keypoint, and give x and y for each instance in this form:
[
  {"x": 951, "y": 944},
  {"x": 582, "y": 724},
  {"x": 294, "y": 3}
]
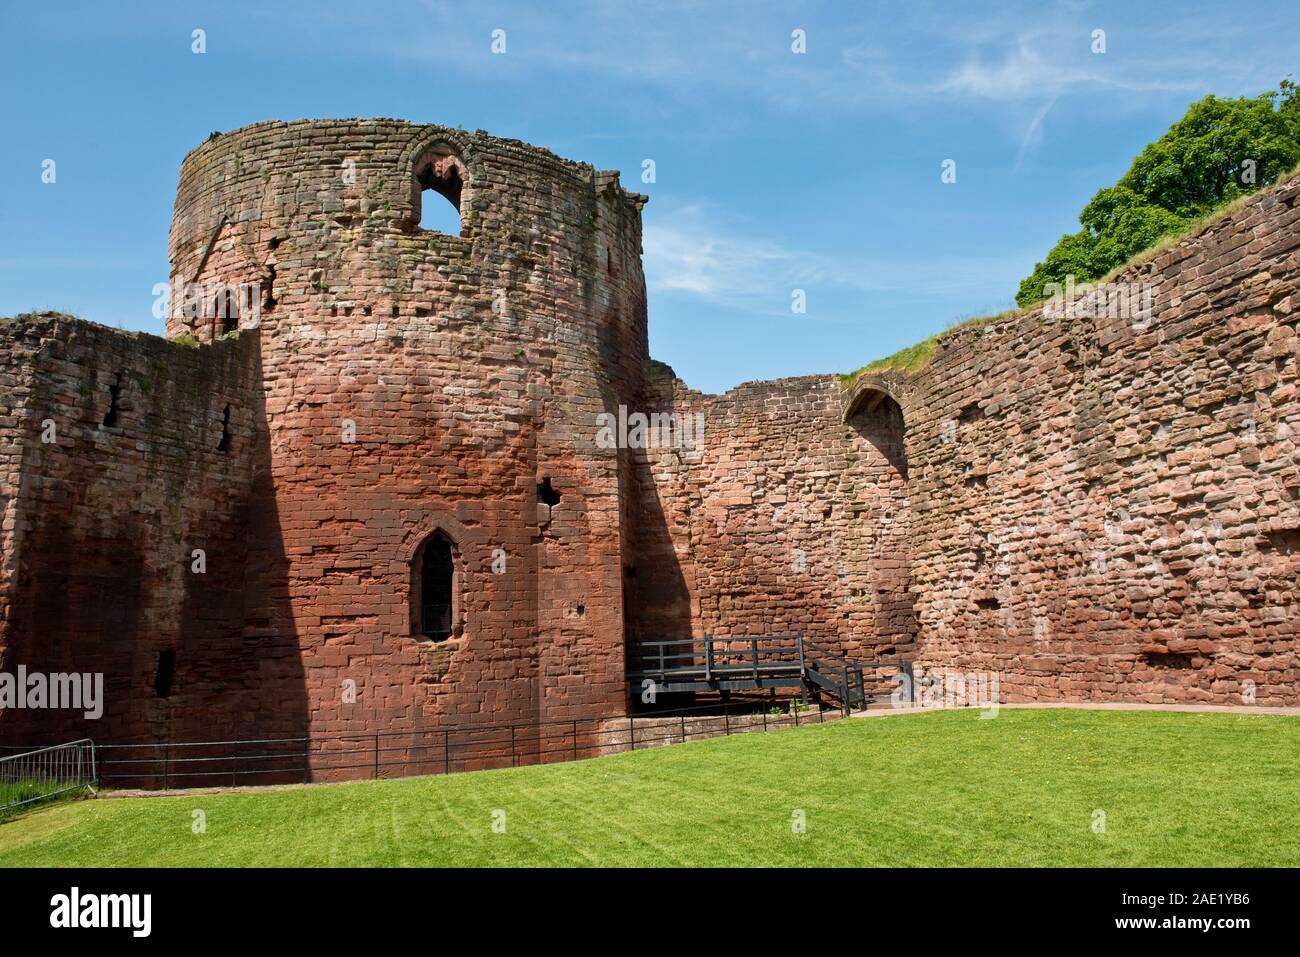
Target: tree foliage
[{"x": 1219, "y": 150}]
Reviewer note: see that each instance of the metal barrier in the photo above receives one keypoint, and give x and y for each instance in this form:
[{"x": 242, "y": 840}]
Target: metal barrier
[
  {"x": 391, "y": 754},
  {"x": 744, "y": 661},
  {"x": 721, "y": 664},
  {"x": 854, "y": 682},
  {"x": 36, "y": 775}
]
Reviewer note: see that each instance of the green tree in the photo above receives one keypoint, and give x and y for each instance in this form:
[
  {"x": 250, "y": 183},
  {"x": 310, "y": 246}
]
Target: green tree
[{"x": 1219, "y": 150}]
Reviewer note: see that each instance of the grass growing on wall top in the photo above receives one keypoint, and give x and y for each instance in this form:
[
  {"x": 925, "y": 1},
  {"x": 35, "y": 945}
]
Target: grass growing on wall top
[
  {"x": 945, "y": 788},
  {"x": 918, "y": 356}
]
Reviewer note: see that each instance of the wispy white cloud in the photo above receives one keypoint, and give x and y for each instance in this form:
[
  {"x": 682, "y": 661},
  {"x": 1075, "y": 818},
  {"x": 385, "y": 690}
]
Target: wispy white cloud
[
  {"x": 1039, "y": 65},
  {"x": 1033, "y": 135},
  {"x": 870, "y": 58},
  {"x": 694, "y": 250}
]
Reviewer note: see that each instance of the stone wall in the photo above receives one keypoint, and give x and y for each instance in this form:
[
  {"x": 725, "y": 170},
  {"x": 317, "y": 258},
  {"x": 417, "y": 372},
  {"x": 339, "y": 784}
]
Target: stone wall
[
  {"x": 15, "y": 418},
  {"x": 127, "y": 453},
  {"x": 785, "y": 519},
  {"x": 1108, "y": 509},
  {"x": 1097, "y": 509}
]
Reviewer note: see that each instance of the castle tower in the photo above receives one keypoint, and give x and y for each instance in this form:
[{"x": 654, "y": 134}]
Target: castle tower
[{"x": 436, "y": 525}]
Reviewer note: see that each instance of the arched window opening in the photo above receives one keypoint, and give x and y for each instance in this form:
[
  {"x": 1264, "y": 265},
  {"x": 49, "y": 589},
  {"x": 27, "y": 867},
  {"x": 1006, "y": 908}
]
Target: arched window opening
[
  {"x": 439, "y": 173},
  {"x": 877, "y": 420},
  {"x": 268, "y": 283},
  {"x": 437, "y": 572},
  {"x": 268, "y": 294}
]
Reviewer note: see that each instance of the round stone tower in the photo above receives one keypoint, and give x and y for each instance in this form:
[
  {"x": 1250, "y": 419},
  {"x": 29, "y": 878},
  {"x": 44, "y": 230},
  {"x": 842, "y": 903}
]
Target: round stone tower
[{"x": 435, "y": 521}]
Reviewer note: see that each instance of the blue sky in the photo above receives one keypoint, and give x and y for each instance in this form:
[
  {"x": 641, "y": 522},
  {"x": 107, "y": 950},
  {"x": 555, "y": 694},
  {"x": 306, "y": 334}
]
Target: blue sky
[{"x": 775, "y": 170}]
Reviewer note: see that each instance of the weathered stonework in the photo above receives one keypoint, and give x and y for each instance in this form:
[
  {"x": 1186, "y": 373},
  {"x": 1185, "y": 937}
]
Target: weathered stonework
[
  {"x": 101, "y": 522},
  {"x": 1105, "y": 509},
  {"x": 1097, "y": 510},
  {"x": 788, "y": 520}
]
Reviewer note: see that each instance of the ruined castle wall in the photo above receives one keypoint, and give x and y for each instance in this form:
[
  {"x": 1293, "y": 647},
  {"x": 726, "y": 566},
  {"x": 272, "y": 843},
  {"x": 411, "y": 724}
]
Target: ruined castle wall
[
  {"x": 1109, "y": 509},
  {"x": 1094, "y": 508},
  {"x": 14, "y": 420},
  {"x": 470, "y": 369},
  {"x": 102, "y": 520},
  {"x": 787, "y": 519}
]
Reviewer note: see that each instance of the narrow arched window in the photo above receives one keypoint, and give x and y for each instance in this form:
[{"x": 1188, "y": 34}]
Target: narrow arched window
[
  {"x": 436, "y": 571},
  {"x": 436, "y": 193}
]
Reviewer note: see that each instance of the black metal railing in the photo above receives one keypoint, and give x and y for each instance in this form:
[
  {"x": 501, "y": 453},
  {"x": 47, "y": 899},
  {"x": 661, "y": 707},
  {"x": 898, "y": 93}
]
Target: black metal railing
[
  {"x": 391, "y": 754},
  {"x": 852, "y": 683},
  {"x": 718, "y": 657},
  {"x": 762, "y": 660}
]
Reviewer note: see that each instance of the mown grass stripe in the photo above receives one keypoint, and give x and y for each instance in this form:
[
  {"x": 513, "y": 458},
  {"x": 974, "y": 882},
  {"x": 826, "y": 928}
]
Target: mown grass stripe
[{"x": 930, "y": 789}]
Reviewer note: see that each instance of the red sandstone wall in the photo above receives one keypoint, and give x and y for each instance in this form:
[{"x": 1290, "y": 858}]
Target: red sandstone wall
[
  {"x": 787, "y": 520},
  {"x": 473, "y": 368},
  {"x": 14, "y": 418},
  {"x": 1094, "y": 510},
  {"x": 1114, "y": 511},
  {"x": 101, "y": 524}
]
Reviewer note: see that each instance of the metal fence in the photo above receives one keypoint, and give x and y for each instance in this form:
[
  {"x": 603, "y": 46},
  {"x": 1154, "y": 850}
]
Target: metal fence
[
  {"x": 392, "y": 754},
  {"x": 389, "y": 754},
  {"x": 47, "y": 772}
]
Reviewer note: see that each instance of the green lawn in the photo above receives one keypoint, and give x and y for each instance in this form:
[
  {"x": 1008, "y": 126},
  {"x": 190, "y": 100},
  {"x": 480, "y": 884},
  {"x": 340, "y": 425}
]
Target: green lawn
[{"x": 944, "y": 788}]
